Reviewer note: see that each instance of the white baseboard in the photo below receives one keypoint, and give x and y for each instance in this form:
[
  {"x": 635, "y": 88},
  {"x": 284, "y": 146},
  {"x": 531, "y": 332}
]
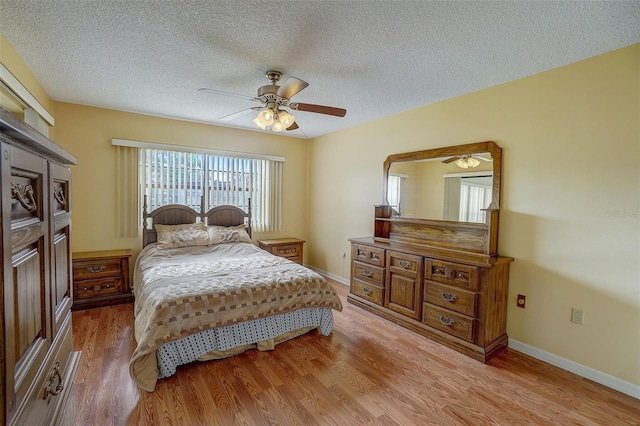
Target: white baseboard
[
  {"x": 579, "y": 369},
  {"x": 341, "y": 280}
]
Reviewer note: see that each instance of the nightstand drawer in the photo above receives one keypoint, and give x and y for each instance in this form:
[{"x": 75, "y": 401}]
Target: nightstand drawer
[
  {"x": 101, "y": 278},
  {"x": 291, "y": 250},
  {"x": 92, "y": 269},
  {"x": 96, "y": 288}
]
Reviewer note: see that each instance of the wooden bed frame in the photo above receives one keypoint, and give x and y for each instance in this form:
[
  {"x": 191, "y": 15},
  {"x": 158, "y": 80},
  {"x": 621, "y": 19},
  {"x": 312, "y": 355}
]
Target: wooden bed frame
[{"x": 178, "y": 214}]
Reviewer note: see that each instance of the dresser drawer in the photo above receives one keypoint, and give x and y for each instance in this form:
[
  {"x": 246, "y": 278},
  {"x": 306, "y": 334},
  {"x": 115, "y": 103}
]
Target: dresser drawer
[
  {"x": 369, "y": 273},
  {"x": 89, "y": 289},
  {"x": 96, "y": 268},
  {"x": 463, "y": 276},
  {"x": 368, "y": 254},
  {"x": 448, "y": 321},
  {"x": 406, "y": 264},
  {"x": 450, "y": 297},
  {"x": 367, "y": 291}
]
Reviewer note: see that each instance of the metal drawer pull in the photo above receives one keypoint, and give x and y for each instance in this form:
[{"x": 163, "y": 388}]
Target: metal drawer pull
[
  {"x": 439, "y": 271},
  {"x": 404, "y": 263},
  {"x": 49, "y": 389},
  {"x": 367, "y": 273},
  {"x": 85, "y": 289},
  {"x": 96, "y": 269},
  {"x": 367, "y": 291},
  {"x": 445, "y": 320},
  {"x": 448, "y": 296}
]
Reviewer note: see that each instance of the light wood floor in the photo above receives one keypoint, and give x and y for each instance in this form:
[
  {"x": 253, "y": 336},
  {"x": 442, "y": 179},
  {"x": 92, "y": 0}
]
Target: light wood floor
[{"x": 368, "y": 372}]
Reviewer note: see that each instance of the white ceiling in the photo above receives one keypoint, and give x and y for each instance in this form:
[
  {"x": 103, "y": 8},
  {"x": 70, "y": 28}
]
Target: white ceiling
[{"x": 374, "y": 58}]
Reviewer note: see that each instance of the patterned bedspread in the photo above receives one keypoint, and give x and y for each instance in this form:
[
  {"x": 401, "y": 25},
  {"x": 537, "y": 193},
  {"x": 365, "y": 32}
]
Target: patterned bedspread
[{"x": 184, "y": 291}]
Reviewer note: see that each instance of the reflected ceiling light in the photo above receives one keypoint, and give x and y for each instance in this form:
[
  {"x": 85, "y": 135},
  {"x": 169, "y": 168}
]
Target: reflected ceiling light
[
  {"x": 467, "y": 162},
  {"x": 277, "y": 120}
]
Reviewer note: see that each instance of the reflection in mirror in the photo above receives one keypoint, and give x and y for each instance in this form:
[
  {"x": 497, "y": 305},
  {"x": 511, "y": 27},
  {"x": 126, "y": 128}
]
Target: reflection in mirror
[{"x": 440, "y": 189}]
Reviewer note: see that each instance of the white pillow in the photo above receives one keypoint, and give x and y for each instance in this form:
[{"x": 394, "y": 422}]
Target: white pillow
[
  {"x": 229, "y": 234},
  {"x": 190, "y": 234}
]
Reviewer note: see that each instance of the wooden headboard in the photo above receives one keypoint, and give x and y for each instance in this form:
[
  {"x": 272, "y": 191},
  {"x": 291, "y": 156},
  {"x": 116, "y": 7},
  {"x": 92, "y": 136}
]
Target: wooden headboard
[{"x": 178, "y": 214}]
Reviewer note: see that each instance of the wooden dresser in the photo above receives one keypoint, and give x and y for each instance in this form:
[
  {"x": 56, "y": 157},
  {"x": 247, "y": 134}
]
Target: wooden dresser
[
  {"x": 38, "y": 365},
  {"x": 101, "y": 278},
  {"x": 290, "y": 248},
  {"x": 442, "y": 279},
  {"x": 458, "y": 301}
]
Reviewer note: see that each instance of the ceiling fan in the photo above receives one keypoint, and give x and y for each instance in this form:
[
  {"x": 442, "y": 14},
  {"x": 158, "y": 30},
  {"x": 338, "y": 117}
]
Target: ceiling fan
[
  {"x": 273, "y": 113},
  {"x": 467, "y": 160}
]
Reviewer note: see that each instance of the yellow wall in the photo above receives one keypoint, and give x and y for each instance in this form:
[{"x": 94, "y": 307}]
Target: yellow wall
[
  {"x": 87, "y": 132},
  {"x": 570, "y": 202}
]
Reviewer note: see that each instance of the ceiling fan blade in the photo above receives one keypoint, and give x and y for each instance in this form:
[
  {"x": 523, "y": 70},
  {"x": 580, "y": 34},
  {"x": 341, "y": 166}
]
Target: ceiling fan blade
[
  {"x": 450, "y": 160},
  {"x": 294, "y": 126},
  {"x": 236, "y": 95},
  {"x": 480, "y": 157},
  {"x": 291, "y": 87},
  {"x": 320, "y": 109},
  {"x": 239, "y": 114}
]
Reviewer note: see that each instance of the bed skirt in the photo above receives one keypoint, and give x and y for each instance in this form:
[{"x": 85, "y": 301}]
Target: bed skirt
[{"x": 261, "y": 334}]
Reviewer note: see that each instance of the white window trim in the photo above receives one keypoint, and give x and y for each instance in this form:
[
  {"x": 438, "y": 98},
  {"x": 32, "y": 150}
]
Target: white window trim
[{"x": 192, "y": 149}]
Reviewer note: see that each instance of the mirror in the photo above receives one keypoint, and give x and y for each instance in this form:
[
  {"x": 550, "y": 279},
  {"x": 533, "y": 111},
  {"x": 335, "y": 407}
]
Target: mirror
[{"x": 433, "y": 184}]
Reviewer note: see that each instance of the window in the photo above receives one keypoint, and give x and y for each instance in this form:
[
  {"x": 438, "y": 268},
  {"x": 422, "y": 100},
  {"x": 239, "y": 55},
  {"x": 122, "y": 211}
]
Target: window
[
  {"x": 475, "y": 195},
  {"x": 394, "y": 189},
  {"x": 168, "y": 177}
]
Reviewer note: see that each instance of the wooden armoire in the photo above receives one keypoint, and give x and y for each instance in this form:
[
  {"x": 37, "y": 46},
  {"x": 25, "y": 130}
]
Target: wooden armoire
[{"x": 37, "y": 363}]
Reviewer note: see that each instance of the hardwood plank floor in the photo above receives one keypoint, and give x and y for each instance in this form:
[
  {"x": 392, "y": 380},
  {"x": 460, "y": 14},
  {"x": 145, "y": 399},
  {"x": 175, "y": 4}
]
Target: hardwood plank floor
[{"x": 368, "y": 372}]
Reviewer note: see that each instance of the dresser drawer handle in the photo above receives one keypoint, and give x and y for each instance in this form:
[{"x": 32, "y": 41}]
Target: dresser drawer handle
[
  {"x": 108, "y": 286},
  {"x": 367, "y": 291},
  {"x": 84, "y": 289},
  {"x": 438, "y": 270},
  {"x": 404, "y": 264},
  {"x": 461, "y": 275},
  {"x": 448, "y": 296},
  {"x": 445, "y": 320},
  {"x": 59, "y": 387},
  {"x": 364, "y": 254},
  {"x": 367, "y": 273},
  {"x": 96, "y": 269}
]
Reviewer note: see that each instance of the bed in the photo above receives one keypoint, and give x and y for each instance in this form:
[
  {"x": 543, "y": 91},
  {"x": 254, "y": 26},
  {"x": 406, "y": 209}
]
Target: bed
[{"x": 203, "y": 291}]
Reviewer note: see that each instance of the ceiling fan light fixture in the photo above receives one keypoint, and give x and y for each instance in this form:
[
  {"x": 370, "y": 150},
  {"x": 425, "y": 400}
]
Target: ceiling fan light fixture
[
  {"x": 265, "y": 118},
  {"x": 286, "y": 119},
  {"x": 467, "y": 162},
  {"x": 277, "y": 126},
  {"x": 259, "y": 123}
]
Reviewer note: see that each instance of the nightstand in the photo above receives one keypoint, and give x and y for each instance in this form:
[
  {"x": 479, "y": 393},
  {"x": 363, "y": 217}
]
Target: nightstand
[
  {"x": 290, "y": 248},
  {"x": 101, "y": 278}
]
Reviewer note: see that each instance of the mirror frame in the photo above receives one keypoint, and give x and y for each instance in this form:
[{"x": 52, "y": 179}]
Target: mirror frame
[{"x": 451, "y": 151}]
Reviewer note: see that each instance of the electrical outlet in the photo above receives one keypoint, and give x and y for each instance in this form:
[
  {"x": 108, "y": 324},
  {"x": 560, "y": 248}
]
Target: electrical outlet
[
  {"x": 521, "y": 301},
  {"x": 344, "y": 254},
  {"x": 577, "y": 316}
]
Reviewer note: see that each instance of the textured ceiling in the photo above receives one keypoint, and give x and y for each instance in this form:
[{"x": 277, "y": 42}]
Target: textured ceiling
[{"x": 374, "y": 58}]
